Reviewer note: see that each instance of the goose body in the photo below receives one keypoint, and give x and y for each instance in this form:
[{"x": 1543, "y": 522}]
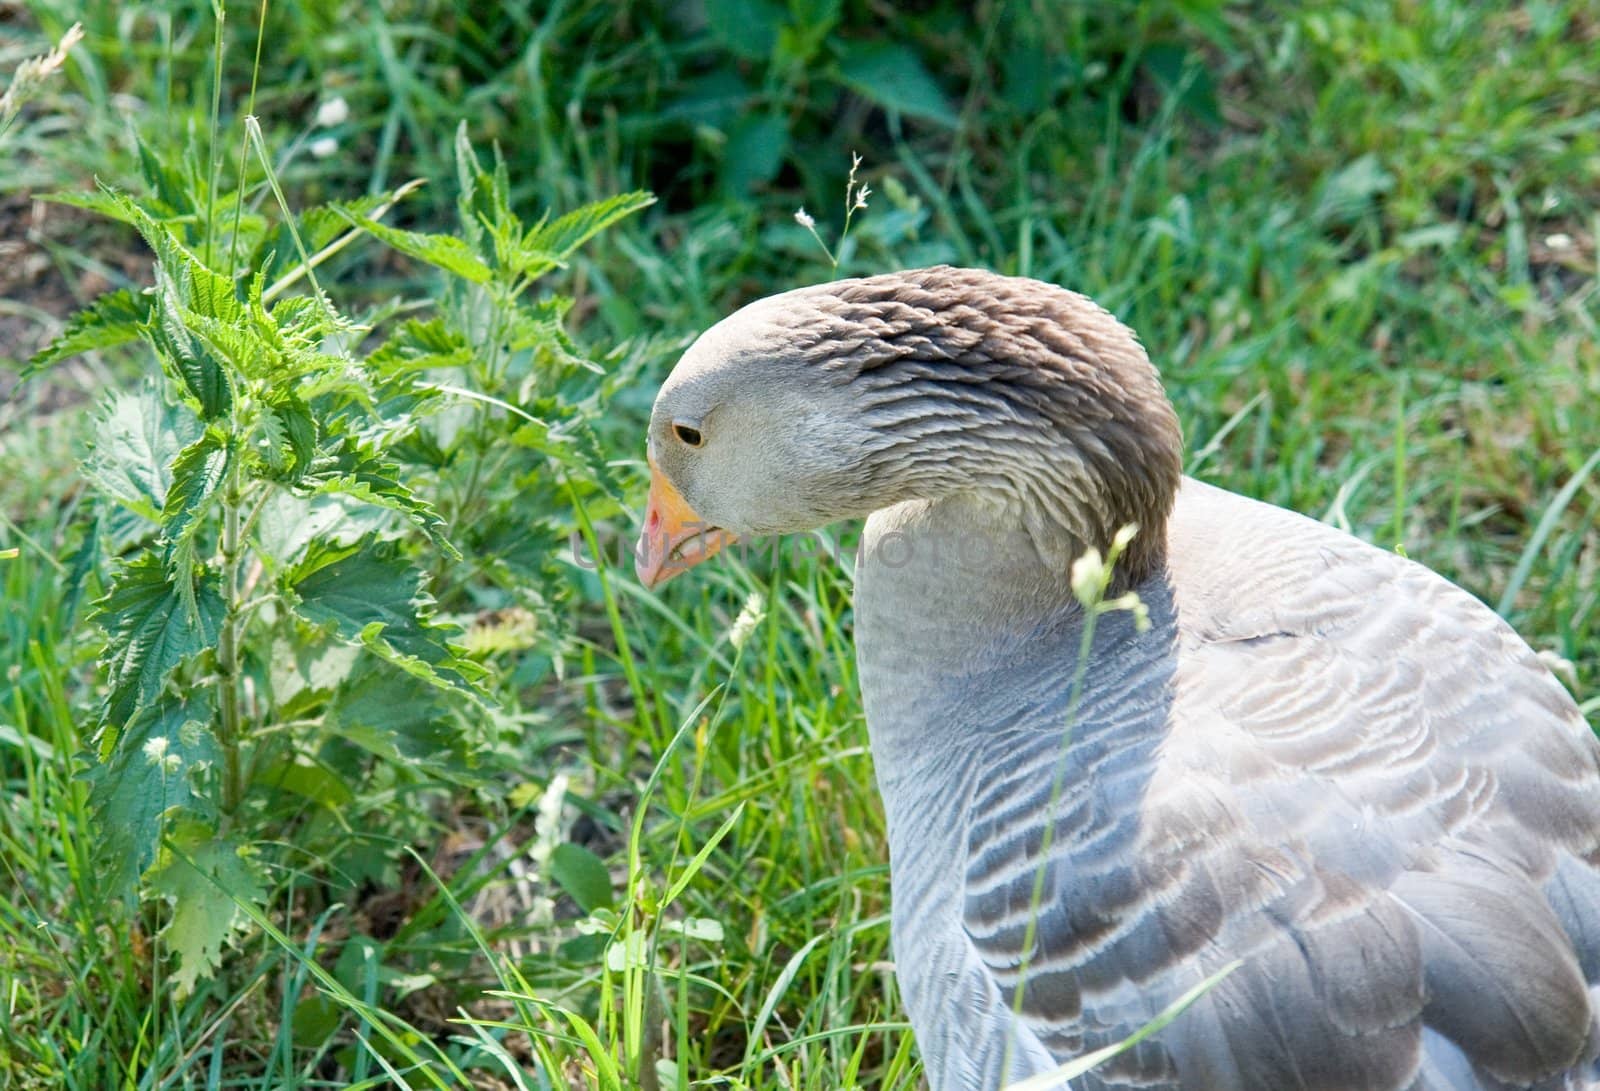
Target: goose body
[{"x": 1320, "y": 759}]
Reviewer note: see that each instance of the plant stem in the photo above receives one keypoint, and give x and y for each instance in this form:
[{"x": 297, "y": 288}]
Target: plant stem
[{"x": 228, "y": 641}]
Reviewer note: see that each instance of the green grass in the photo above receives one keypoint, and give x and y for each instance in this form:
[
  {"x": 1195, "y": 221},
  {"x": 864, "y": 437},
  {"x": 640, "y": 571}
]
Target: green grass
[{"x": 1360, "y": 244}]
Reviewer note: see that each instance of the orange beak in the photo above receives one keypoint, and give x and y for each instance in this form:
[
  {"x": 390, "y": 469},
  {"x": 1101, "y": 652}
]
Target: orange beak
[{"x": 674, "y": 538}]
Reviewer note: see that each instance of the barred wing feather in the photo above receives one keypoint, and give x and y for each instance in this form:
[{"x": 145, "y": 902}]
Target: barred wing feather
[{"x": 1365, "y": 787}]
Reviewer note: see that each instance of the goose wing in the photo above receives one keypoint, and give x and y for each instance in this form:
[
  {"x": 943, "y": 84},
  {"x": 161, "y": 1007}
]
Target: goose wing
[{"x": 1364, "y": 786}]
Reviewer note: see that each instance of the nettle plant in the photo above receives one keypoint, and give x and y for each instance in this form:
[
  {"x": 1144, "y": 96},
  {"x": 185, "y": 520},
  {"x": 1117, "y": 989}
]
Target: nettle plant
[{"x": 264, "y": 530}]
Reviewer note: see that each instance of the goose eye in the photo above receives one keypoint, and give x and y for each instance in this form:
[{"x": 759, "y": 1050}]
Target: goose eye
[{"x": 688, "y": 434}]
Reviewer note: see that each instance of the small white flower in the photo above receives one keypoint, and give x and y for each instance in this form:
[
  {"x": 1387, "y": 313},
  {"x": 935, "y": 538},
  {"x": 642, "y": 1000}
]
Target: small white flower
[
  {"x": 861, "y": 196},
  {"x": 155, "y": 752},
  {"x": 803, "y": 218},
  {"x": 1559, "y": 241},
  {"x": 335, "y": 111},
  {"x": 1131, "y": 602},
  {"x": 324, "y": 146},
  {"x": 1088, "y": 577}
]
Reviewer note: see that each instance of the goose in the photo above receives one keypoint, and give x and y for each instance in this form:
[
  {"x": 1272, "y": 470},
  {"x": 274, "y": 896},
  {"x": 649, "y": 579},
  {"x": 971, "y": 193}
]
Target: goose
[{"x": 1317, "y": 759}]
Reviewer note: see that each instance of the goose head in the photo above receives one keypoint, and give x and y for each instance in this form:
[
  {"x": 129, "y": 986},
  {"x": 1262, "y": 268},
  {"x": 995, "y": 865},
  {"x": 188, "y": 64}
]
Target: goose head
[{"x": 838, "y": 400}]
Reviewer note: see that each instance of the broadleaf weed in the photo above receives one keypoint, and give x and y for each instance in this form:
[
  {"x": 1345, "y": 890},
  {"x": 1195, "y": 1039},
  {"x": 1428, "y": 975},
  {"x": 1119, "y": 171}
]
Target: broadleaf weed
[{"x": 283, "y": 484}]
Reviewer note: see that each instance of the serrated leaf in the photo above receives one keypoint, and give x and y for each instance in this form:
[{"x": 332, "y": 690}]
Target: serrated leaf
[
  {"x": 369, "y": 594},
  {"x": 892, "y": 75},
  {"x": 205, "y": 878},
  {"x": 185, "y": 284},
  {"x": 150, "y": 632},
  {"x": 593, "y": 455},
  {"x": 196, "y": 473},
  {"x": 442, "y": 251},
  {"x": 288, "y": 524},
  {"x": 418, "y": 345},
  {"x": 540, "y": 328},
  {"x": 103, "y": 202},
  {"x": 84, "y": 562},
  {"x": 246, "y": 348},
  {"x": 583, "y": 875},
  {"x": 300, "y": 427},
  {"x": 485, "y": 200},
  {"x": 398, "y": 718},
  {"x": 195, "y": 477},
  {"x": 170, "y": 189},
  {"x": 189, "y": 356},
  {"x": 137, "y": 438},
  {"x": 300, "y": 315},
  {"x": 149, "y": 775},
  {"x": 116, "y": 318},
  {"x": 459, "y": 674},
  {"x": 290, "y": 434},
  {"x": 352, "y": 473},
  {"x": 565, "y": 234}
]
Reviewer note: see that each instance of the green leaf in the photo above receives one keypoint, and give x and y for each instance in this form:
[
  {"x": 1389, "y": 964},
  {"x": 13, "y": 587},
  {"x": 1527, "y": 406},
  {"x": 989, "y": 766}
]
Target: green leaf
[
  {"x": 189, "y": 356},
  {"x": 104, "y": 202},
  {"x": 84, "y": 562},
  {"x": 150, "y": 631},
  {"x": 540, "y": 328},
  {"x": 196, "y": 473},
  {"x": 184, "y": 284},
  {"x": 150, "y": 773},
  {"x": 583, "y": 875},
  {"x": 485, "y": 200},
  {"x": 316, "y": 1018},
  {"x": 443, "y": 251},
  {"x": 398, "y": 718},
  {"x": 205, "y": 878},
  {"x": 116, "y": 318},
  {"x": 174, "y": 192},
  {"x": 755, "y": 151},
  {"x": 893, "y": 76},
  {"x": 746, "y": 28},
  {"x": 352, "y": 472},
  {"x": 288, "y": 524},
  {"x": 290, "y": 435},
  {"x": 418, "y": 345},
  {"x": 698, "y": 861},
  {"x": 316, "y": 783},
  {"x": 195, "y": 477},
  {"x": 138, "y": 437},
  {"x": 716, "y": 100},
  {"x": 574, "y": 443},
  {"x": 369, "y": 594},
  {"x": 566, "y": 233}
]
